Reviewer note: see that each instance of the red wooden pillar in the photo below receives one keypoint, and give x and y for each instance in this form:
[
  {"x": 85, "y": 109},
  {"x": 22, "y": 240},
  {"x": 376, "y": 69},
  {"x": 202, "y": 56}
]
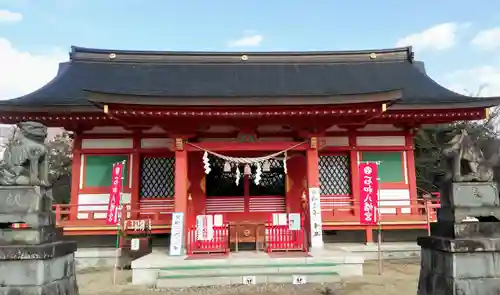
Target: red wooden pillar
[
  {"x": 136, "y": 177},
  {"x": 75, "y": 175},
  {"x": 354, "y": 158},
  {"x": 312, "y": 164},
  {"x": 181, "y": 183},
  {"x": 410, "y": 167},
  {"x": 312, "y": 160}
]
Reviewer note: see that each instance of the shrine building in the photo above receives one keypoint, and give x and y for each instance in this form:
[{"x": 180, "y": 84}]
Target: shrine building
[{"x": 241, "y": 135}]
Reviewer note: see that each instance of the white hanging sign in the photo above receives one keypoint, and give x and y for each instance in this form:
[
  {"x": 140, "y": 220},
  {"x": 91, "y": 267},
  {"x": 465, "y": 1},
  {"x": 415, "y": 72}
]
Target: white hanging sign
[
  {"x": 177, "y": 234},
  {"x": 218, "y": 220},
  {"x": 299, "y": 280},
  {"x": 315, "y": 215},
  {"x": 280, "y": 219},
  {"x": 294, "y": 221},
  {"x": 204, "y": 227},
  {"x": 134, "y": 244},
  {"x": 249, "y": 280}
]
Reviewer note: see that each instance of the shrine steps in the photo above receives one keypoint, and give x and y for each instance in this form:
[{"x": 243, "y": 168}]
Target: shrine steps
[{"x": 161, "y": 271}]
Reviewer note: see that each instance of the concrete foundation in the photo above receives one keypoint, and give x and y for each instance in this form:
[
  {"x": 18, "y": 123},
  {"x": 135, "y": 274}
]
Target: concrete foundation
[{"x": 161, "y": 271}]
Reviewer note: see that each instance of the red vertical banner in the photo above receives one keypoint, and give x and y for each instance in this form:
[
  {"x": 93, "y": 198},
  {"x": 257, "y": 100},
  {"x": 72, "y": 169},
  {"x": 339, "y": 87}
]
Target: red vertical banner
[
  {"x": 115, "y": 194},
  {"x": 368, "y": 180}
]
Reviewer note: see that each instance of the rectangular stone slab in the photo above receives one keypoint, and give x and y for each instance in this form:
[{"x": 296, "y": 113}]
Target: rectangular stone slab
[
  {"x": 24, "y": 199},
  {"x": 33, "y": 220},
  {"x": 47, "y": 234},
  {"x": 433, "y": 284},
  {"x": 460, "y": 245},
  {"x": 66, "y": 286},
  {"x": 471, "y": 229},
  {"x": 470, "y": 194},
  {"x": 36, "y": 272},
  {"x": 461, "y": 265},
  {"x": 37, "y": 252},
  {"x": 459, "y": 214}
]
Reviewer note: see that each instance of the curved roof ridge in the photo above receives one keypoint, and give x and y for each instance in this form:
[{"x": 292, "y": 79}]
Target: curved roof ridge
[{"x": 111, "y": 55}]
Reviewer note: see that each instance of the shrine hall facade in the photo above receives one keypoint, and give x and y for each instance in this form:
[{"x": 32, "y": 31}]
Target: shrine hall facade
[{"x": 322, "y": 113}]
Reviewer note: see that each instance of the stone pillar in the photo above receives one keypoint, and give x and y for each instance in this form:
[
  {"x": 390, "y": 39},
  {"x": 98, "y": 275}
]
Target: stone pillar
[
  {"x": 33, "y": 259},
  {"x": 462, "y": 255}
]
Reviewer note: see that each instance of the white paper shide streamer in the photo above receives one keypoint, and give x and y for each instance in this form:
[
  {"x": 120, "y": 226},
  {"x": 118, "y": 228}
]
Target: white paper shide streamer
[{"x": 257, "y": 162}]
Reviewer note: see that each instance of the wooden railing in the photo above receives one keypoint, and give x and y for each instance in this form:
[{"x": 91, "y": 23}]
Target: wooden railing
[{"x": 94, "y": 214}]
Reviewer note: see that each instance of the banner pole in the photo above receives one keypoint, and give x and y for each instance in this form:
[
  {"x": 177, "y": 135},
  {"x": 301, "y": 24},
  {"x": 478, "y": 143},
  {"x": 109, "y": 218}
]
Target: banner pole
[
  {"x": 118, "y": 228},
  {"x": 379, "y": 225}
]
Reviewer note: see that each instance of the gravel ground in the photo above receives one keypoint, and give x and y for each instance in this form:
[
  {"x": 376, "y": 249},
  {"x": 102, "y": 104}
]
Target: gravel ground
[{"x": 398, "y": 277}]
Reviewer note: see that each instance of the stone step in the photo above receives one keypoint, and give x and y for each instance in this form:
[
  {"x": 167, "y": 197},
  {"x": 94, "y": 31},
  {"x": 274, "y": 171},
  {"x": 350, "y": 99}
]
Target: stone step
[
  {"x": 182, "y": 281},
  {"x": 207, "y": 275}
]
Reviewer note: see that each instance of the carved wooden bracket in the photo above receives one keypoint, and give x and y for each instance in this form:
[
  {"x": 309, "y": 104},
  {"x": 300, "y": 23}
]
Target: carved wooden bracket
[
  {"x": 314, "y": 142},
  {"x": 179, "y": 144}
]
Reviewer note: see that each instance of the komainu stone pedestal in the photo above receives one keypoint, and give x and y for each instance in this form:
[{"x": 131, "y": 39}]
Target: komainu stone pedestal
[
  {"x": 33, "y": 260},
  {"x": 459, "y": 266},
  {"x": 462, "y": 255}
]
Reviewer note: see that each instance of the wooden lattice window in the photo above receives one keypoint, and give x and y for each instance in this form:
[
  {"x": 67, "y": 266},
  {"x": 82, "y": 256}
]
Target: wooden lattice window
[
  {"x": 157, "y": 177},
  {"x": 335, "y": 175}
]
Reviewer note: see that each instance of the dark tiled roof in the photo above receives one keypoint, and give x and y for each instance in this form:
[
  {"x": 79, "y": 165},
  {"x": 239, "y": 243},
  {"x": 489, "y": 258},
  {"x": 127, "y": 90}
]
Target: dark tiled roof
[{"x": 175, "y": 75}]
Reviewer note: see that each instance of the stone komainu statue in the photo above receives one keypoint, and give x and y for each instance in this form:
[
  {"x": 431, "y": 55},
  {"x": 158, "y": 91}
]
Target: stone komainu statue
[
  {"x": 25, "y": 161},
  {"x": 467, "y": 159}
]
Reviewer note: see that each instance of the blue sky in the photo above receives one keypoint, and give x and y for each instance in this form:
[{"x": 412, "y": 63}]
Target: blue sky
[{"x": 458, "y": 40}]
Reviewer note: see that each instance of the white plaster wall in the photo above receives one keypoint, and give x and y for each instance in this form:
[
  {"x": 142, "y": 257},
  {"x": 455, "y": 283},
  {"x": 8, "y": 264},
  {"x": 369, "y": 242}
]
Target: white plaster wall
[
  {"x": 108, "y": 143},
  {"x": 94, "y": 201},
  {"x": 380, "y": 140},
  {"x": 394, "y": 197},
  {"x": 336, "y": 141},
  {"x": 151, "y": 143}
]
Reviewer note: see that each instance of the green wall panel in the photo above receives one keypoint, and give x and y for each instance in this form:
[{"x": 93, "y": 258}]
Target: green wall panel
[
  {"x": 391, "y": 165},
  {"x": 98, "y": 170}
]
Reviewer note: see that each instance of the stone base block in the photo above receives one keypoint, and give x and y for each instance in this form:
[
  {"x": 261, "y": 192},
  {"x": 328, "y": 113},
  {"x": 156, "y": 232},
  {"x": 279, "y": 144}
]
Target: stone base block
[
  {"x": 65, "y": 286},
  {"x": 36, "y": 272},
  {"x": 24, "y": 199},
  {"x": 33, "y": 220},
  {"x": 433, "y": 284},
  {"x": 470, "y": 194},
  {"x": 460, "y": 245},
  {"x": 47, "y": 234},
  {"x": 472, "y": 229},
  {"x": 37, "y": 252},
  {"x": 459, "y": 214},
  {"x": 459, "y": 266}
]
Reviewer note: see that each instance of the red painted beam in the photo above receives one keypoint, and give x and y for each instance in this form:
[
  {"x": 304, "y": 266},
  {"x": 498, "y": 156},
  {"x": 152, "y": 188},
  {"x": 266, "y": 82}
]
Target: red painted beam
[{"x": 247, "y": 146}]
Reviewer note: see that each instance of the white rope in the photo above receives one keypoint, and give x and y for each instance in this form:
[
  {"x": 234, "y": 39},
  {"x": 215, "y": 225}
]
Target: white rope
[{"x": 247, "y": 160}]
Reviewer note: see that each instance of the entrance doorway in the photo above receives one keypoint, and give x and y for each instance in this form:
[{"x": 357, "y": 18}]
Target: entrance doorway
[{"x": 244, "y": 203}]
